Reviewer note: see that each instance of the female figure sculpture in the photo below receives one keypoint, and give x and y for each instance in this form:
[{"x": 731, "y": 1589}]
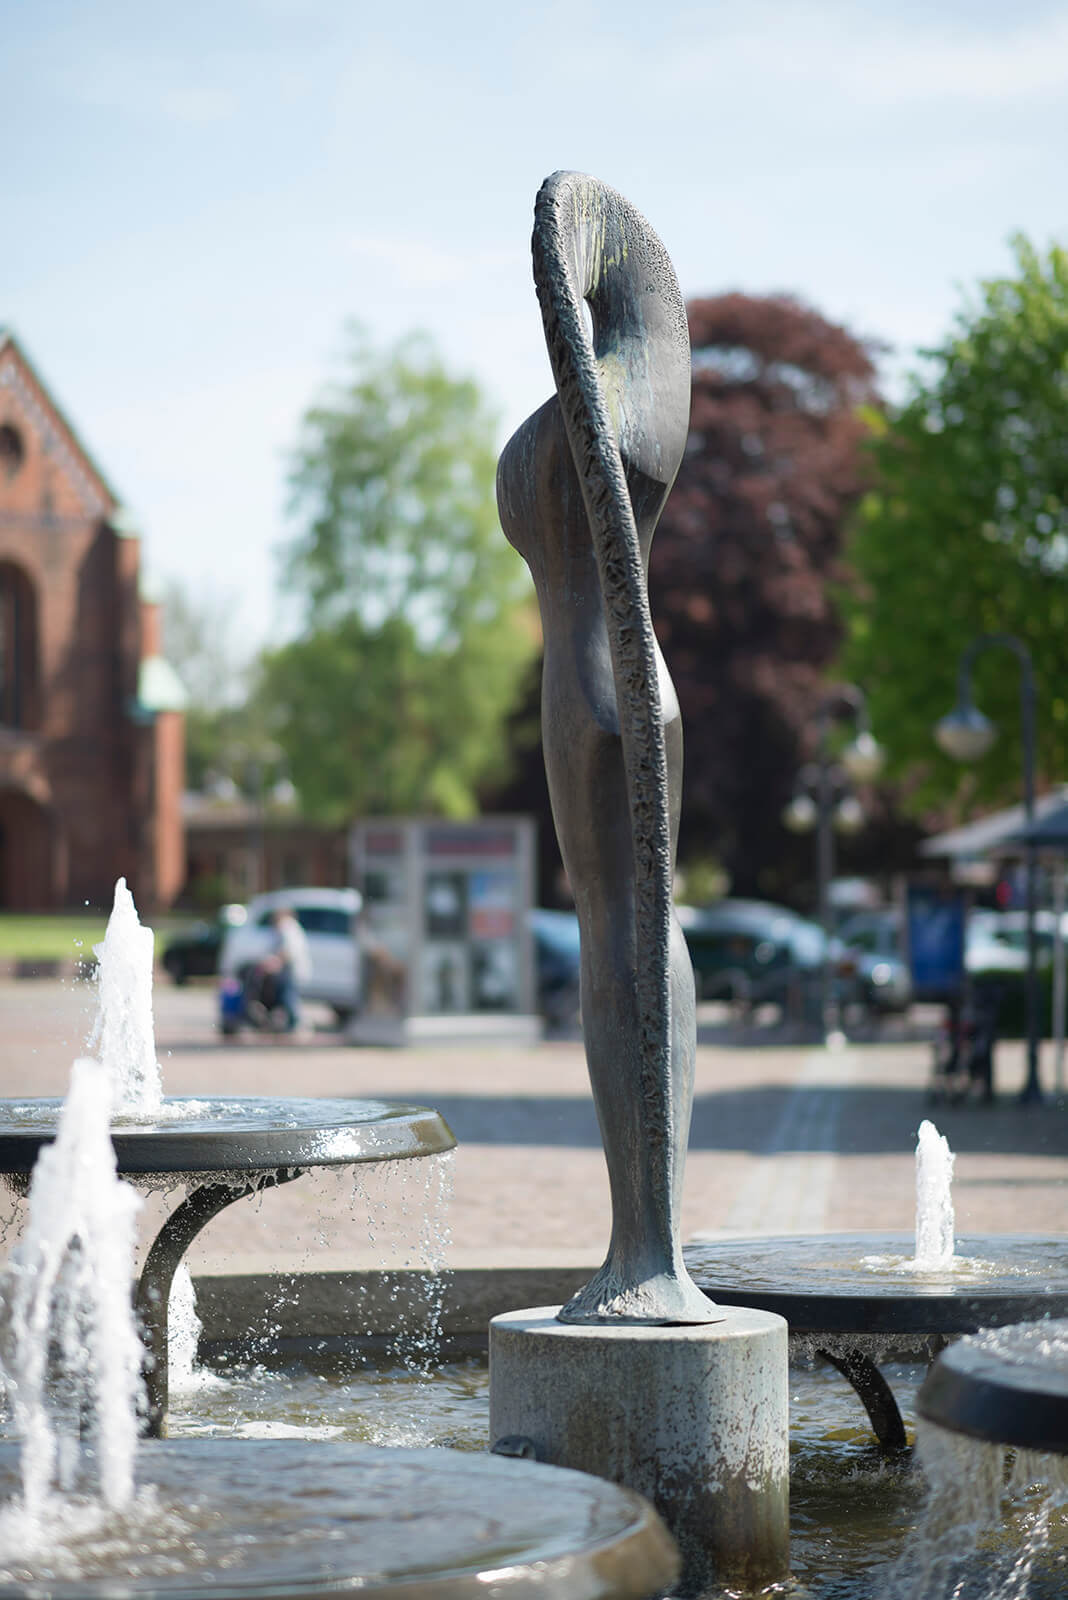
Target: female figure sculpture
[{"x": 580, "y": 487}]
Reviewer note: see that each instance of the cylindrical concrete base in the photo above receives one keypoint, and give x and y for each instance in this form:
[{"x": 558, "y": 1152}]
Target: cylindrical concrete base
[{"x": 695, "y": 1418}]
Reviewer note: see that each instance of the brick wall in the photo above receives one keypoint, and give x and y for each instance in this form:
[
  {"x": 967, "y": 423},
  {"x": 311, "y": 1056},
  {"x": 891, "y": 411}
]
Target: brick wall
[{"x": 76, "y": 810}]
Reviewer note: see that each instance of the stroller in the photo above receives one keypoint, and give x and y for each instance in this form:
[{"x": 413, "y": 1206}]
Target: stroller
[
  {"x": 964, "y": 1051},
  {"x": 253, "y": 997}
]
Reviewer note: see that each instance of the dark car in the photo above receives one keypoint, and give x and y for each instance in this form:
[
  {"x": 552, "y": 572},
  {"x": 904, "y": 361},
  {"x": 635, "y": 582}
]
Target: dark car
[
  {"x": 556, "y": 960},
  {"x": 759, "y": 953},
  {"x": 194, "y": 952},
  {"x": 875, "y": 936}
]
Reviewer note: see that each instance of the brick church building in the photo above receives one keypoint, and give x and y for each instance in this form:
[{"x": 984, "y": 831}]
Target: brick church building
[{"x": 91, "y": 723}]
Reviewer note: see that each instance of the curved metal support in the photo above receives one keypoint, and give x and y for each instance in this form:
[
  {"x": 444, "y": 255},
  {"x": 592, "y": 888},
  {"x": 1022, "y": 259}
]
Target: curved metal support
[
  {"x": 516, "y": 1445},
  {"x": 875, "y": 1393},
  {"x": 161, "y": 1263}
]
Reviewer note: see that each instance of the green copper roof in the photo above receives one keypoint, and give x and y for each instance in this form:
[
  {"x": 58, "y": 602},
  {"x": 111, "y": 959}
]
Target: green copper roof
[{"x": 159, "y": 688}]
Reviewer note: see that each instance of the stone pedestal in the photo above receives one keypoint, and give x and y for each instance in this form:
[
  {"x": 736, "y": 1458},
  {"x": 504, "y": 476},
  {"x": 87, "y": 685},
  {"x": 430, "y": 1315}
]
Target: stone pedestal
[{"x": 694, "y": 1418}]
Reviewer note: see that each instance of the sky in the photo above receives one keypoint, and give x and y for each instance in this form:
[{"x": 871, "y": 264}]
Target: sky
[{"x": 199, "y": 198}]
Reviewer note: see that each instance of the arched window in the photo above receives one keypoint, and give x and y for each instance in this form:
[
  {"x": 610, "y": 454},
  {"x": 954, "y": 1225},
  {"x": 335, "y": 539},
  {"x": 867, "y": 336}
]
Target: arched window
[
  {"x": 12, "y": 449},
  {"x": 18, "y": 648}
]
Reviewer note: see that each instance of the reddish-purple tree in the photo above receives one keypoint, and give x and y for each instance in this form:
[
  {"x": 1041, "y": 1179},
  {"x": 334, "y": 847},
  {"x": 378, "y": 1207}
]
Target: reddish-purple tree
[{"x": 743, "y": 563}]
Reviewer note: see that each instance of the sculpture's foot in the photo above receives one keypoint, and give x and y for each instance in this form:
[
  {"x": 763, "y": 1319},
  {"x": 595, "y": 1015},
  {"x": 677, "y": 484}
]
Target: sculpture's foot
[{"x": 663, "y": 1299}]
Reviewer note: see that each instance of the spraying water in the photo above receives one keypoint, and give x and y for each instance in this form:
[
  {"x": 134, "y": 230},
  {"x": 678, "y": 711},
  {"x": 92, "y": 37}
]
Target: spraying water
[
  {"x": 72, "y": 1355},
  {"x": 122, "y": 1036},
  {"x": 934, "y": 1200}
]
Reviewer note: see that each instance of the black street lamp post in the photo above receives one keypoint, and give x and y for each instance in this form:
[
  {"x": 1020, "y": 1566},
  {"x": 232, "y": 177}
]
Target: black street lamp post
[
  {"x": 965, "y": 734},
  {"x": 822, "y": 797}
]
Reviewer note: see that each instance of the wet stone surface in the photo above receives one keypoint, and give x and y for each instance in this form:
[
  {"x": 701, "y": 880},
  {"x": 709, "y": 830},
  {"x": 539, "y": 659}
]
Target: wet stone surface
[{"x": 295, "y": 1518}]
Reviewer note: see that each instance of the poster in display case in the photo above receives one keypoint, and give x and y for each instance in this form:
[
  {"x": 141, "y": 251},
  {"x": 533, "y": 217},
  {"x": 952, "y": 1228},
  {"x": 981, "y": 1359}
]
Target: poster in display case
[{"x": 447, "y": 906}]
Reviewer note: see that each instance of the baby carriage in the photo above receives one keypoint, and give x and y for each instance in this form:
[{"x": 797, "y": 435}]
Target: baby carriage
[
  {"x": 963, "y": 1064},
  {"x": 254, "y": 997}
]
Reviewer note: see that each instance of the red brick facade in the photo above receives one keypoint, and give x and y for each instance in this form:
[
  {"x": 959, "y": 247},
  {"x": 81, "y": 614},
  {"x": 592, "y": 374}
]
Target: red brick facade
[{"x": 90, "y": 765}]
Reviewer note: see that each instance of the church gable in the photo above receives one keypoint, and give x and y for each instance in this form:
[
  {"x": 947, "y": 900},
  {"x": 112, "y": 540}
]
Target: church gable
[{"x": 45, "y": 470}]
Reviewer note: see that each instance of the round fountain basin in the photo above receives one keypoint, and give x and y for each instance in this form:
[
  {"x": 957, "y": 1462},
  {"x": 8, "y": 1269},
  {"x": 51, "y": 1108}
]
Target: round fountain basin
[
  {"x": 285, "y": 1519},
  {"x": 866, "y": 1283},
  {"x": 239, "y": 1134},
  {"x": 1008, "y": 1386}
]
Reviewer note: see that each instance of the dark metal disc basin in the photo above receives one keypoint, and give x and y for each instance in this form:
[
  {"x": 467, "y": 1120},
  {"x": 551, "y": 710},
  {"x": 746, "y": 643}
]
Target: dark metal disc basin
[
  {"x": 1006, "y": 1387},
  {"x": 859, "y": 1300},
  {"x": 281, "y": 1519},
  {"x": 240, "y": 1134},
  {"x": 861, "y": 1283}
]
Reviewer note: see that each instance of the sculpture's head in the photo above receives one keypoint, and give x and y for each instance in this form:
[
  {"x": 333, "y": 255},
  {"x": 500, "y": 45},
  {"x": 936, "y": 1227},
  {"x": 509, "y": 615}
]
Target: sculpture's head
[{"x": 591, "y": 245}]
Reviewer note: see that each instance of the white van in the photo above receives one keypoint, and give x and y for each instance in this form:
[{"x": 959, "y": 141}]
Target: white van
[{"x": 329, "y": 918}]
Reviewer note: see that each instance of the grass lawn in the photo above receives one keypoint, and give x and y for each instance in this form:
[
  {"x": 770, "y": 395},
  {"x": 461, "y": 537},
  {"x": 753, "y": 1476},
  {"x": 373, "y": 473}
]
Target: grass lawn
[{"x": 66, "y": 937}]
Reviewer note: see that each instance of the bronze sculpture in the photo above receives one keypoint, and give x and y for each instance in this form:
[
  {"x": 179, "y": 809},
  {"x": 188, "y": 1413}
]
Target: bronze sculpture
[{"x": 580, "y": 487}]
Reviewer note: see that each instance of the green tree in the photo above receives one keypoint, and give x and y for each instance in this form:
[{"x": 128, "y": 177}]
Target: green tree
[
  {"x": 967, "y": 533},
  {"x": 416, "y": 611},
  {"x": 198, "y": 643}
]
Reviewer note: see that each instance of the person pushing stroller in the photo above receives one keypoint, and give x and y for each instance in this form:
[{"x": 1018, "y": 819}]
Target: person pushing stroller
[{"x": 275, "y": 981}]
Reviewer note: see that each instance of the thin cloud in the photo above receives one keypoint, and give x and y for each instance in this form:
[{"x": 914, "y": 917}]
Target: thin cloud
[
  {"x": 147, "y": 88},
  {"x": 418, "y": 264},
  {"x": 874, "y": 62}
]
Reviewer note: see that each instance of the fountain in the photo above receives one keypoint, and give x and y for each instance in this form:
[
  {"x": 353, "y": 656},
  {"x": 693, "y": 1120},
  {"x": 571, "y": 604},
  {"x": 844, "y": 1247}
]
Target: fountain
[
  {"x": 859, "y": 1299},
  {"x": 1006, "y": 1386},
  {"x": 992, "y": 1439},
  {"x": 221, "y": 1150},
  {"x": 640, "y": 1376},
  {"x": 85, "y": 1517}
]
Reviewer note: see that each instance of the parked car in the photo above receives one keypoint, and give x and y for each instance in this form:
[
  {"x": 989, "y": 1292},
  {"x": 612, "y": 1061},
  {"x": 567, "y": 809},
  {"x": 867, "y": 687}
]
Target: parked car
[
  {"x": 996, "y": 941},
  {"x": 757, "y": 952},
  {"x": 194, "y": 952},
  {"x": 329, "y": 918},
  {"x": 875, "y": 937}
]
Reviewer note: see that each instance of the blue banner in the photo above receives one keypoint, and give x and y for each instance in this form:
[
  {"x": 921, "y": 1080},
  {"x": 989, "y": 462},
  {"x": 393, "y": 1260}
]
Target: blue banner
[{"x": 934, "y": 931}]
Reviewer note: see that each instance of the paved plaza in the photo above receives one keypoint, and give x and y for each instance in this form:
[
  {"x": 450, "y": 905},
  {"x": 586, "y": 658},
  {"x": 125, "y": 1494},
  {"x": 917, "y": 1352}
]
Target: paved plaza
[{"x": 791, "y": 1139}]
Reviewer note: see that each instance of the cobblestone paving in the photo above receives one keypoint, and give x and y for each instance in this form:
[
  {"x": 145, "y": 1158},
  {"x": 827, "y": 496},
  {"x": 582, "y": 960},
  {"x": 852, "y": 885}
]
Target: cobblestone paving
[{"x": 783, "y": 1140}]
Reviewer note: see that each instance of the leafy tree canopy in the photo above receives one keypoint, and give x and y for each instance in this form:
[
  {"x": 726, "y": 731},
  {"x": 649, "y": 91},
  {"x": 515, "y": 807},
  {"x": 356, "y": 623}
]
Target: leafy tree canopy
[
  {"x": 966, "y": 533},
  {"x": 416, "y": 609}
]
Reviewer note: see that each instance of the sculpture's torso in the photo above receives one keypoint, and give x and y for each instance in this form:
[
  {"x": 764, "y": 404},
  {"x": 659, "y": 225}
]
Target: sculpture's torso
[{"x": 544, "y": 517}]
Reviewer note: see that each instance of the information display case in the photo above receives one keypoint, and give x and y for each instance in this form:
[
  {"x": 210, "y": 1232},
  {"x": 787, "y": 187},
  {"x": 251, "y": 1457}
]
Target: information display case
[{"x": 446, "y": 926}]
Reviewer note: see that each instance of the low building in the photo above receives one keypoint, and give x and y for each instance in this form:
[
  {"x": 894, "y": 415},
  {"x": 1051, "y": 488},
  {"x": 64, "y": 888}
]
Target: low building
[
  {"x": 236, "y": 848},
  {"x": 91, "y": 715}
]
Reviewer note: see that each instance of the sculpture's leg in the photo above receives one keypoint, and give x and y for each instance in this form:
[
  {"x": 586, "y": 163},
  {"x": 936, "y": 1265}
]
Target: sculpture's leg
[
  {"x": 875, "y": 1393},
  {"x": 644, "y": 1124},
  {"x": 161, "y": 1263}
]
